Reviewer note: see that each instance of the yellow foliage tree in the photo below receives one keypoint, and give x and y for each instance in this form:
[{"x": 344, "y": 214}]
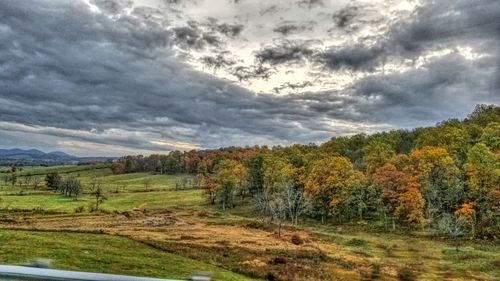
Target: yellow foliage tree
[{"x": 328, "y": 182}]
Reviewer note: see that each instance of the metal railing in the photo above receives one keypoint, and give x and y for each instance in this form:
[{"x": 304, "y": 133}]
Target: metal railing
[{"x": 23, "y": 273}]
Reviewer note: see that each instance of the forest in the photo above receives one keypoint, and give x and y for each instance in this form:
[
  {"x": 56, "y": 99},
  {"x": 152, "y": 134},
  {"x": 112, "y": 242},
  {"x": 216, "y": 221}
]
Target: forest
[{"x": 443, "y": 179}]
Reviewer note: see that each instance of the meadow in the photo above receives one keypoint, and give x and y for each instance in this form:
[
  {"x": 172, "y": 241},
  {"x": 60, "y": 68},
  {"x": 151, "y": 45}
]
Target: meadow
[{"x": 160, "y": 231}]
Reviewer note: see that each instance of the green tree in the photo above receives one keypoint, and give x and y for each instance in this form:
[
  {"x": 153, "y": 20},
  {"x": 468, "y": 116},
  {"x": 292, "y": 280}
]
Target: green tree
[
  {"x": 53, "y": 180},
  {"x": 255, "y": 173}
]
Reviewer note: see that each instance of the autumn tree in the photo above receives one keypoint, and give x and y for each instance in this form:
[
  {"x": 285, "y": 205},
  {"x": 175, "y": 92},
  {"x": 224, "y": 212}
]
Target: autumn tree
[
  {"x": 226, "y": 181},
  {"x": 209, "y": 187},
  {"x": 434, "y": 174},
  {"x": 483, "y": 181},
  {"x": 467, "y": 216},
  {"x": 329, "y": 181},
  {"x": 411, "y": 205},
  {"x": 376, "y": 154},
  {"x": 491, "y": 137}
]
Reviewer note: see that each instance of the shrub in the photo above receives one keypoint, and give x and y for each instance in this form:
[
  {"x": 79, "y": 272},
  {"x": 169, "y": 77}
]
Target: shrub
[
  {"x": 370, "y": 273},
  {"x": 296, "y": 239},
  {"x": 79, "y": 209},
  {"x": 278, "y": 260},
  {"x": 203, "y": 214},
  {"x": 356, "y": 242},
  {"x": 271, "y": 277},
  {"x": 406, "y": 274}
]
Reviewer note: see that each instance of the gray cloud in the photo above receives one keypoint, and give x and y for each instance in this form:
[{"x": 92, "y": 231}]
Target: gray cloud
[
  {"x": 113, "y": 6},
  {"x": 244, "y": 73},
  {"x": 115, "y": 78},
  {"x": 285, "y": 52},
  {"x": 310, "y": 3},
  {"x": 122, "y": 76},
  {"x": 357, "y": 57},
  {"x": 290, "y": 27},
  {"x": 446, "y": 87},
  {"x": 221, "y": 60},
  {"x": 191, "y": 36},
  {"x": 293, "y": 86},
  {"x": 434, "y": 26},
  {"x": 229, "y": 30}
]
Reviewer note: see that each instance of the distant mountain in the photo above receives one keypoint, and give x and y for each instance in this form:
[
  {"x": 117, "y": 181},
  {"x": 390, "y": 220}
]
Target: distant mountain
[
  {"x": 19, "y": 152},
  {"x": 61, "y": 154},
  {"x": 37, "y": 157}
]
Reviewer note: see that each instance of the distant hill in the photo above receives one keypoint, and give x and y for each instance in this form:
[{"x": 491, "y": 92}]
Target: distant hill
[{"x": 36, "y": 157}]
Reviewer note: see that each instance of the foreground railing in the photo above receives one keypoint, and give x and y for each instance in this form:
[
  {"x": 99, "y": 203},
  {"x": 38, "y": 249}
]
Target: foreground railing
[{"x": 23, "y": 273}]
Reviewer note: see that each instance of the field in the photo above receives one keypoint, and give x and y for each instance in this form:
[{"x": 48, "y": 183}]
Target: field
[{"x": 163, "y": 232}]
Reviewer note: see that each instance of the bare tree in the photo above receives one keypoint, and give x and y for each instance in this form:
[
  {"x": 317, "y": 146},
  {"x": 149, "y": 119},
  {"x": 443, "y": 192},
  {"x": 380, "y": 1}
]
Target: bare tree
[
  {"x": 97, "y": 192},
  {"x": 273, "y": 207},
  {"x": 278, "y": 211},
  {"x": 294, "y": 201}
]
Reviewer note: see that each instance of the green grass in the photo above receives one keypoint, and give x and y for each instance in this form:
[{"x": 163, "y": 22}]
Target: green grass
[
  {"x": 124, "y": 192},
  {"x": 116, "y": 201},
  {"x": 101, "y": 253}
]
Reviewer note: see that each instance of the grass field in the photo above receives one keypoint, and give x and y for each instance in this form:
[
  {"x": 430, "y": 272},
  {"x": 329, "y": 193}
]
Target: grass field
[
  {"x": 173, "y": 233},
  {"x": 124, "y": 192},
  {"x": 101, "y": 253}
]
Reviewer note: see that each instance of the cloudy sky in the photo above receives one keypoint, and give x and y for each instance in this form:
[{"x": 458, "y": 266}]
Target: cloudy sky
[{"x": 111, "y": 77}]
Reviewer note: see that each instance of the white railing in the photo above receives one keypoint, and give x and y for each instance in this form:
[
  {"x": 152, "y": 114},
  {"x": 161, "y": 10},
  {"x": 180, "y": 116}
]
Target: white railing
[{"x": 23, "y": 273}]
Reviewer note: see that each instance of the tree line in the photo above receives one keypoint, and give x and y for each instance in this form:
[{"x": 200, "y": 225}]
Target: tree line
[{"x": 444, "y": 178}]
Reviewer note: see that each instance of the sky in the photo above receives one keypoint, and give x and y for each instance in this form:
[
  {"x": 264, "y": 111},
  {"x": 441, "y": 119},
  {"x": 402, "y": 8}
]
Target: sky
[{"x": 115, "y": 77}]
